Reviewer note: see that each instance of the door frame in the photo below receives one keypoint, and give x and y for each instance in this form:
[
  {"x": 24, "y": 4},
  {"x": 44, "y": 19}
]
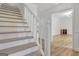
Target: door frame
[{"x": 72, "y": 26}]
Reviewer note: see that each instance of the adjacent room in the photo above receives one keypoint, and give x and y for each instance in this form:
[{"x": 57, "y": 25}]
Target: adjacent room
[{"x": 61, "y": 32}]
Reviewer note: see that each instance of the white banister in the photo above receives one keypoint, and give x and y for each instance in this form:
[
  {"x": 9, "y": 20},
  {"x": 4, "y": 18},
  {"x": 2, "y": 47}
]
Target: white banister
[{"x": 32, "y": 20}]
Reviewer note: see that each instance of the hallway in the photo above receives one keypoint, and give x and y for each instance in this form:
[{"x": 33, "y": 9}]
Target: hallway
[{"x": 62, "y": 46}]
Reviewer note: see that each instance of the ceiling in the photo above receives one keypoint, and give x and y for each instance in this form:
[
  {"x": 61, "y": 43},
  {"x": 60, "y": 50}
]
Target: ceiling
[
  {"x": 67, "y": 13},
  {"x": 47, "y": 9},
  {"x": 45, "y": 6}
]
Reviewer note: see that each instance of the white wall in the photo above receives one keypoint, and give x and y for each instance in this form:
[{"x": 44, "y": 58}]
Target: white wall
[
  {"x": 76, "y": 27},
  {"x": 55, "y": 26},
  {"x": 59, "y": 22},
  {"x": 32, "y": 7}
]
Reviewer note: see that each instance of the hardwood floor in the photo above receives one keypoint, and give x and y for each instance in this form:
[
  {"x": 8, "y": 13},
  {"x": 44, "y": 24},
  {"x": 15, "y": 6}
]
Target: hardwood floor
[
  {"x": 62, "y": 46},
  {"x": 62, "y": 41}
]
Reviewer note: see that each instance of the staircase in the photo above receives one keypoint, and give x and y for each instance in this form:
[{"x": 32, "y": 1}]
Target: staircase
[{"x": 16, "y": 37}]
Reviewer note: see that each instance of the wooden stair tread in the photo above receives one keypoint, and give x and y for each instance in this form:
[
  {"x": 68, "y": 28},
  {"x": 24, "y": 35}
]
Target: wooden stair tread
[
  {"x": 3, "y": 10},
  {"x": 3, "y": 54},
  {"x": 13, "y": 21},
  {"x": 18, "y": 48},
  {"x": 13, "y": 32},
  {"x": 15, "y": 26},
  {"x": 9, "y": 9},
  {"x": 11, "y": 18},
  {"x": 11, "y": 14},
  {"x": 5, "y": 6},
  {"x": 15, "y": 39},
  {"x": 36, "y": 53}
]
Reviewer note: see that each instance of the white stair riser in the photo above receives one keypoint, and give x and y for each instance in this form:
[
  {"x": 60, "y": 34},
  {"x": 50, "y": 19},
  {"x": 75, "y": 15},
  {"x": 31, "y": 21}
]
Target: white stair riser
[
  {"x": 15, "y": 43},
  {"x": 25, "y": 52},
  {"x": 5, "y": 36}
]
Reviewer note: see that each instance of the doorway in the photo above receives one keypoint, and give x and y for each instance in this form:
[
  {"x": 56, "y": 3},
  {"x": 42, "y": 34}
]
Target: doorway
[{"x": 62, "y": 42}]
